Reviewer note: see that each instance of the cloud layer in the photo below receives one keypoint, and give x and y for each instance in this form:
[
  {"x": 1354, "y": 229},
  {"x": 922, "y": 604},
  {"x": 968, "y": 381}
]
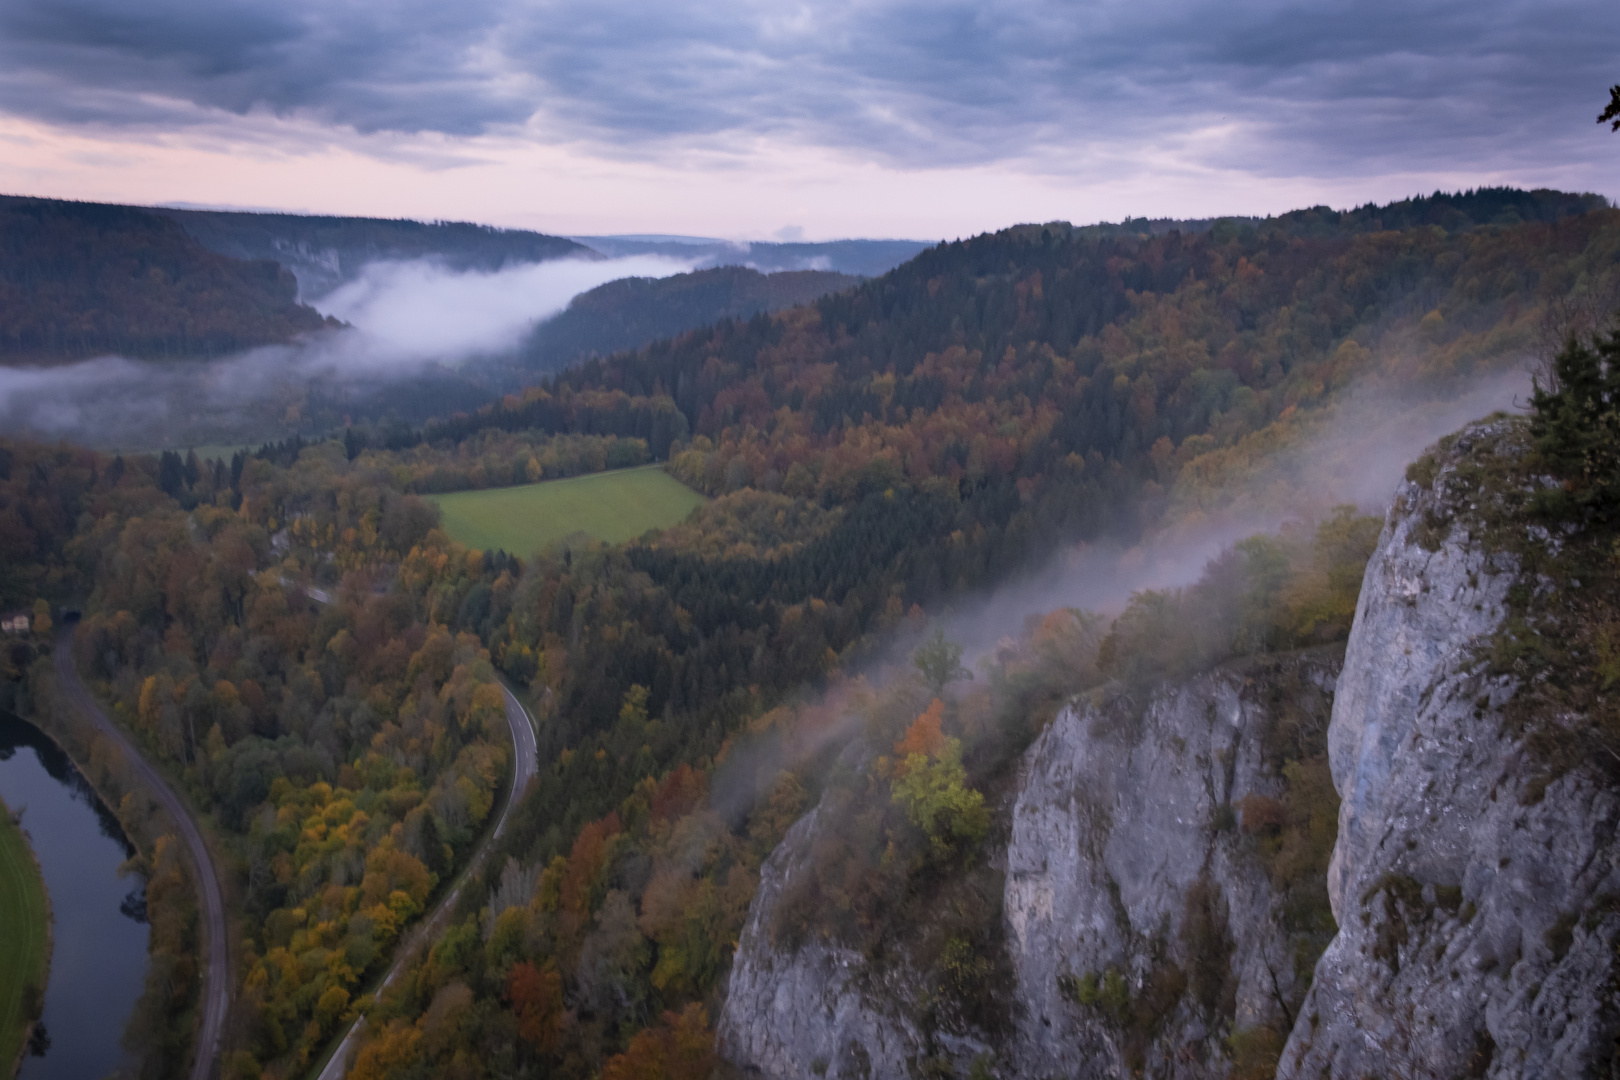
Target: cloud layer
[{"x": 1277, "y": 88}]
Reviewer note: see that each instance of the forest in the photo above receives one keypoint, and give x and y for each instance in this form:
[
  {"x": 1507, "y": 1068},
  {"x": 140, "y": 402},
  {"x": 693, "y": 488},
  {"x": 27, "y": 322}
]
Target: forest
[
  {"x": 327, "y": 251},
  {"x": 872, "y": 457},
  {"x": 84, "y": 279},
  {"x": 629, "y": 312}
]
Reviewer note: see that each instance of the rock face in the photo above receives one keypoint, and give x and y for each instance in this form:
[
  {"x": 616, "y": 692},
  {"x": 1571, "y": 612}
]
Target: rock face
[
  {"x": 1477, "y": 893},
  {"x": 1126, "y": 863},
  {"x": 814, "y": 1012},
  {"x": 1479, "y": 905},
  {"x": 1119, "y": 862}
]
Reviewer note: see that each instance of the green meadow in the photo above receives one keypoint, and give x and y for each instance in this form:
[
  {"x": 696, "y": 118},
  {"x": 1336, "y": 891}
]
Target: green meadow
[
  {"x": 610, "y": 506},
  {"x": 23, "y": 945}
]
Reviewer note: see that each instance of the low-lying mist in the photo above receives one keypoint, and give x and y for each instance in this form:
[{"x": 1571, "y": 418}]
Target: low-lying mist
[
  {"x": 423, "y": 311},
  {"x": 407, "y": 320},
  {"x": 1353, "y": 452}
]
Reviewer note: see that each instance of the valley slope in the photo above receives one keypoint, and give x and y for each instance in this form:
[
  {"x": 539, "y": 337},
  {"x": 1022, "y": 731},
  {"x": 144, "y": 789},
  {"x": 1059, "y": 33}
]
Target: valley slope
[
  {"x": 84, "y": 279},
  {"x": 872, "y": 457}
]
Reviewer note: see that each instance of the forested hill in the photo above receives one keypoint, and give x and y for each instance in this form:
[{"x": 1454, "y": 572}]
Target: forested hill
[
  {"x": 630, "y": 312},
  {"x": 874, "y": 454},
  {"x": 620, "y": 315},
  {"x": 1501, "y": 207},
  {"x": 324, "y": 251},
  {"x": 1459, "y": 212},
  {"x": 82, "y": 279},
  {"x": 937, "y": 428},
  {"x": 1043, "y": 357}
]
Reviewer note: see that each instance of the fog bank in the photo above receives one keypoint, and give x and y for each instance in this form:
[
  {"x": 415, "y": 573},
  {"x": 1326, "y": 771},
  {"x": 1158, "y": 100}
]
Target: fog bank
[
  {"x": 420, "y": 310},
  {"x": 1353, "y": 452},
  {"x": 406, "y": 319}
]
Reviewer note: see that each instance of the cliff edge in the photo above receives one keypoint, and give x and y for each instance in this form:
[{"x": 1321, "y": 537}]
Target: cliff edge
[
  {"x": 1476, "y": 875},
  {"x": 1439, "y": 815}
]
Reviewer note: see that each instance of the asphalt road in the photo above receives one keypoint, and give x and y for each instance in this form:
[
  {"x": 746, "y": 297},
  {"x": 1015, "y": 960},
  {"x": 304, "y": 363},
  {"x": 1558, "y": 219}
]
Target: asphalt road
[
  {"x": 216, "y": 989},
  {"x": 523, "y": 770}
]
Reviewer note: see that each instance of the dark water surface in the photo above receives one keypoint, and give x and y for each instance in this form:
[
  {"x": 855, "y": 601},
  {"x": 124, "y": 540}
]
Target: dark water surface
[{"x": 99, "y": 960}]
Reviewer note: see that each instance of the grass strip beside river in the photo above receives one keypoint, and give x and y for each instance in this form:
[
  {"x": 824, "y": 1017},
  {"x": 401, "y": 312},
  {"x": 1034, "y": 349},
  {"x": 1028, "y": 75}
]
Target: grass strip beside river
[{"x": 25, "y": 941}]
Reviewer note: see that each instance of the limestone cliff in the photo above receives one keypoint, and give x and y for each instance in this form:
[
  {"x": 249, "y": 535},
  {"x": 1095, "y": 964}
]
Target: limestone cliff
[
  {"x": 1478, "y": 894},
  {"x": 1166, "y": 895},
  {"x": 1128, "y": 864},
  {"x": 816, "y": 1011},
  {"x": 1145, "y": 918}
]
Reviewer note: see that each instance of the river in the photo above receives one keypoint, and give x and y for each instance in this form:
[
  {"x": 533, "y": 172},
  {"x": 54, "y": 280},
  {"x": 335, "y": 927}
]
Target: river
[{"x": 98, "y": 964}]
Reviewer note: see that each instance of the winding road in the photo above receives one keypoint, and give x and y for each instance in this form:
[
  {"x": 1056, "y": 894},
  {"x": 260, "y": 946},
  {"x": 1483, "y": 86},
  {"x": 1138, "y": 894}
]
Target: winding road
[
  {"x": 524, "y": 769},
  {"x": 216, "y": 989}
]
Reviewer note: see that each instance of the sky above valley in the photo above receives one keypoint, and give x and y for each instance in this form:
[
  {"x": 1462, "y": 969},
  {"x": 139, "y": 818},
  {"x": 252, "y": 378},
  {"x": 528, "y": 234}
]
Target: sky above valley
[{"x": 749, "y": 120}]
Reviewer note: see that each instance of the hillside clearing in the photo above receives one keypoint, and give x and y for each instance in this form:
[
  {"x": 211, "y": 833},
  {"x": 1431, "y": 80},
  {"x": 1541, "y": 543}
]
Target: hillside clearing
[{"x": 609, "y": 506}]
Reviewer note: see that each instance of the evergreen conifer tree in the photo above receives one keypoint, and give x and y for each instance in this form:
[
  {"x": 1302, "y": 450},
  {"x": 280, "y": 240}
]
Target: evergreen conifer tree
[{"x": 1576, "y": 425}]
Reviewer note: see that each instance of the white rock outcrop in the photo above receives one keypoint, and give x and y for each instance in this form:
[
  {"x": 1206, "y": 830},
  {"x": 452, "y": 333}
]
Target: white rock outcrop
[
  {"x": 1117, "y": 839},
  {"x": 1476, "y": 891},
  {"x": 1115, "y": 832},
  {"x": 1478, "y": 905}
]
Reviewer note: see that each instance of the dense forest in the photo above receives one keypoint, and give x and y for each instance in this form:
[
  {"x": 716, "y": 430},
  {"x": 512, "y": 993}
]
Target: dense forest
[
  {"x": 872, "y": 455},
  {"x": 81, "y": 279},
  {"x": 620, "y": 315},
  {"x": 325, "y": 252},
  {"x": 349, "y": 749},
  {"x": 630, "y": 312}
]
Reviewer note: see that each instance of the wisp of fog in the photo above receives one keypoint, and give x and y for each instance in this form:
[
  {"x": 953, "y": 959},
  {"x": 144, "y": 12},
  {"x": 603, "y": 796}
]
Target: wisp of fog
[{"x": 1355, "y": 452}]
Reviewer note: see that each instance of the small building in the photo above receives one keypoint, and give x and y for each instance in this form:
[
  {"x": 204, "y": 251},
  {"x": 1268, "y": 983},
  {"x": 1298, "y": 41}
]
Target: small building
[{"x": 15, "y": 622}]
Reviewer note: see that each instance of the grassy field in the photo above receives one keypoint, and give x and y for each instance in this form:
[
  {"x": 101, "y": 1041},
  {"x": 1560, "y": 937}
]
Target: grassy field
[
  {"x": 23, "y": 914},
  {"x": 610, "y": 506}
]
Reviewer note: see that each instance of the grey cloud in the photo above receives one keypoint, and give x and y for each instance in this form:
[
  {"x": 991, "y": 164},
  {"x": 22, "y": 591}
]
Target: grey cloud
[{"x": 1314, "y": 88}]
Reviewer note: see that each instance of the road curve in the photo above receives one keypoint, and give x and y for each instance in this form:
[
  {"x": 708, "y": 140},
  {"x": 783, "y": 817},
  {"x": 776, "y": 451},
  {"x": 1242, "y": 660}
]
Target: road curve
[
  {"x": 216, "y": 988},
  {"x": 523, "y": 770}
]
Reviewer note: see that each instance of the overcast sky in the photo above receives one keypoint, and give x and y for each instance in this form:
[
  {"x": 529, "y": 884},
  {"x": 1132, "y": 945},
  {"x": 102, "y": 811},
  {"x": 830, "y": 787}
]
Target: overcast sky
[{"x": 748, "y": 119}]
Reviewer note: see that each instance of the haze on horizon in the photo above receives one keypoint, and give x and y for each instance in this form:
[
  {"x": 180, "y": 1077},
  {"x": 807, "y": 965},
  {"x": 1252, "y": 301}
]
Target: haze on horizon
[{"x": 819, "y": 120}]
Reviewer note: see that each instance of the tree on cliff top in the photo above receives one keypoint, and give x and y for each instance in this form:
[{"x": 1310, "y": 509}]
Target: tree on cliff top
[{"x": 1576, "y": 425}]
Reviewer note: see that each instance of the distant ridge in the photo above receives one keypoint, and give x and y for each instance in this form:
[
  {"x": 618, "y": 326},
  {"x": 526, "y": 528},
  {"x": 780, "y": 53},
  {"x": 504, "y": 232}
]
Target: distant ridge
[
  {"x": 1455, "y": 212},
  {"x": 866, "y": 258},
  {"x": 325, "y": 251}
]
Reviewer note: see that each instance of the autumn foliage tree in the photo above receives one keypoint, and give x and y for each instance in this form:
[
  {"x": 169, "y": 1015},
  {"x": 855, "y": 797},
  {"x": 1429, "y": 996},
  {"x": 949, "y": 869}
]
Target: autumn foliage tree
[
  {"x": 681, "y": 1047},
  {"x": 536, "y": 995},
  {"x": 931, "y": 785}
]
